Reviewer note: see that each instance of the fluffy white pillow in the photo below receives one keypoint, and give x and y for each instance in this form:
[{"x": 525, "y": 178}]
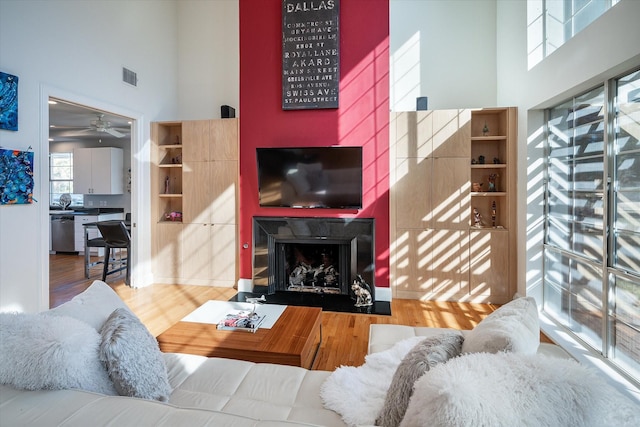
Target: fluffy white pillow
[
  {"x": 358, "y": 393},
  {"x": 511, "y": 389},
  {"x": 133, "y": 359},
  {"x": 425, "y": 355},
  {"x": 42, "y": 352},
  {"x": 92, "y": 306},
  {"x": 513, "y": 327}
]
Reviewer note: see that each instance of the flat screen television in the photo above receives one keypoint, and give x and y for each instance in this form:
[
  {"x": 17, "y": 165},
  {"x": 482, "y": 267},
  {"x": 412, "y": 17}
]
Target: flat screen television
[{"x": 310, "y": 177}]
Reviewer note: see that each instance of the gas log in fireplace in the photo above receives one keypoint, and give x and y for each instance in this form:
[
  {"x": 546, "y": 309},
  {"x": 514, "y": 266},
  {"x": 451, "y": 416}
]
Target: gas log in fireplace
[{"x": 318, "y": 255}]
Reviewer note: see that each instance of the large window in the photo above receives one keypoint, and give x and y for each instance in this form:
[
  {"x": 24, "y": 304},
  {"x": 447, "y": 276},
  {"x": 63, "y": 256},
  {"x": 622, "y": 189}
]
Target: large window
[
  {"x": 552, "y": 22},
  {"x": 61, "y": 178},
  {"x": 592, "y": 241}
]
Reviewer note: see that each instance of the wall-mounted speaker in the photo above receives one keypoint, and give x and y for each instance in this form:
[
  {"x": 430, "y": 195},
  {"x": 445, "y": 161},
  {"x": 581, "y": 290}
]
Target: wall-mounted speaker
[
  {"x": 421, "y": 103},
  {"x": 227, "y": 112}
]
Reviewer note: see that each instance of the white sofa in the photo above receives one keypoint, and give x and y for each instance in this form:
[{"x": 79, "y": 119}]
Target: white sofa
[
  {"x": 206, "y": 391},
  {"x": 384, "y": 336}
]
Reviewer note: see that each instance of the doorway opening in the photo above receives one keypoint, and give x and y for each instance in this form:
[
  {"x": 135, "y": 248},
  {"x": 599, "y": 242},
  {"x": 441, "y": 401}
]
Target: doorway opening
[{"x": 74, "y": 129}]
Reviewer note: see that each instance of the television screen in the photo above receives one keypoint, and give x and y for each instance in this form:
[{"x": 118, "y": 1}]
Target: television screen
[{"x": 310, "y": 177}]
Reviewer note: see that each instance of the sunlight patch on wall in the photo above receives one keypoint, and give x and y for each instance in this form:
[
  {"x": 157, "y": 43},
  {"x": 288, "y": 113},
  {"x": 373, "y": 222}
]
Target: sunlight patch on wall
[{"x": 405, "y": 75}]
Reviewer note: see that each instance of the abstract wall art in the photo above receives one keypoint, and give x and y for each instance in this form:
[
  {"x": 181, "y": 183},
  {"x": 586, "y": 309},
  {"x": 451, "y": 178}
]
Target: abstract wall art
[
  {"x": 8, "y": 101},
  {"x": 16, "y": 177}
]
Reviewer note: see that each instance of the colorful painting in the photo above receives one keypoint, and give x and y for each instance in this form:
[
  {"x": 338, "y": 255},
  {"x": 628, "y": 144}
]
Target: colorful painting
[
  {"x": 16, "y": 177},
  {"x": 8, "y": 101}
]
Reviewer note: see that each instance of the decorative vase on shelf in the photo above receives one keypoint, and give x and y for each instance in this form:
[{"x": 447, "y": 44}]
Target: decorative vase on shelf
[{"x": 485, "y": 129}]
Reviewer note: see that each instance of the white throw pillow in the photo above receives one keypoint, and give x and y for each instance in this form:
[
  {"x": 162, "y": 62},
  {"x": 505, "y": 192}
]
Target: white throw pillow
[
  {"x": 424, "y": 356},
  {"x": 510, "y": 389},
  {"x": 92, "y": 306},
  {"x": 512, "y": 327},
  {"x": 133, "y": 359},
  {"x": 42, "y": 352}
]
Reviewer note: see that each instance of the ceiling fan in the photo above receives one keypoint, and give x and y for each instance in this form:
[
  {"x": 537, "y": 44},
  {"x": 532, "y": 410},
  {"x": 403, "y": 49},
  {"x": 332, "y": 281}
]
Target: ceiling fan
[{"x": 101, "y": 125}]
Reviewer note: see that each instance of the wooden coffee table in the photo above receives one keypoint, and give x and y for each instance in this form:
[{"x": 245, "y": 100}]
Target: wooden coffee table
[{"x": 294, "y": 339}]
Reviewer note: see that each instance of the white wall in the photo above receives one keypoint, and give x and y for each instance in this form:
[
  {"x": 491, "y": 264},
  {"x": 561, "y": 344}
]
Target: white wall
[
  {"x": 445, "y": 50},
  {"x": 208, "y": 58},
  {"x": 77, "y": 49},
  {"x": 186, "y": 56}
]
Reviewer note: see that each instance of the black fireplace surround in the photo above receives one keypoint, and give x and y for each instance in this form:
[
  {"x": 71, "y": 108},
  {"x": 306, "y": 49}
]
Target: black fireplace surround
[{"x": 312, "y": 255}]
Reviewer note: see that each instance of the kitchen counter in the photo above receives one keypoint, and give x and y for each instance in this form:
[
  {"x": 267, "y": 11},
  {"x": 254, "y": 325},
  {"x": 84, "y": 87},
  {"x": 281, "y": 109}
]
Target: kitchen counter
[
  {"x": 67, "y": 226},
  {"x": 85, "y": 211}
]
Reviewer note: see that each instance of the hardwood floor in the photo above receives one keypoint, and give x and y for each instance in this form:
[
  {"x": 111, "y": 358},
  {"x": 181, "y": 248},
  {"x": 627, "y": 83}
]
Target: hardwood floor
[{"x": 345, "y": 335}]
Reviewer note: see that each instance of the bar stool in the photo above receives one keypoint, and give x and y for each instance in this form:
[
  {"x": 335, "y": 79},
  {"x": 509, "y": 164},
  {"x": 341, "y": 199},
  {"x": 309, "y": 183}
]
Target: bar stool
[
  {"x": 97, "y": 242},
  {"x": 116, "y": 236}
]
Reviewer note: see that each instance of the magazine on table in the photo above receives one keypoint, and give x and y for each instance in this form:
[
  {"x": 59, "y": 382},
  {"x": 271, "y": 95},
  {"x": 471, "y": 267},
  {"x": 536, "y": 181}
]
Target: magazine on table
[{"x": 241, "y": 320}]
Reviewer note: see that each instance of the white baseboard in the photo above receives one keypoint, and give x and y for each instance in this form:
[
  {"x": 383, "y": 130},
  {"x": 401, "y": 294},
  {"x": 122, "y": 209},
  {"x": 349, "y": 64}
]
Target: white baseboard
[
  {"x": 383, "y": 294},
  {"x": 245, "y": 285}
]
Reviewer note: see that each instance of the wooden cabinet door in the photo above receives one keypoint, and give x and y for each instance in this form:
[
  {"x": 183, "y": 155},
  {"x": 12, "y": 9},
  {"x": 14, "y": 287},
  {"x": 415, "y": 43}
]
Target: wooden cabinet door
[
  {"x": 224, "y": 254},
  {"x": 412, "y": 192},
  {"x": 411, "y": 260},
  {"x": 209, "y": 254},
  {"x": 224, "y": 137},
  {"x": 451, "y": 133},
  {"x": 489, "y": 265},
  {"x": 196, "y": 192},
  {"x": 450, "y": 193},
  {"x": 196, "y": 140},
  {"x": 449, "y": 266},
  {"x": 196, "y": 253},
  {"x": 223, "y": 178},
  {"x": 168, "y": 251}
]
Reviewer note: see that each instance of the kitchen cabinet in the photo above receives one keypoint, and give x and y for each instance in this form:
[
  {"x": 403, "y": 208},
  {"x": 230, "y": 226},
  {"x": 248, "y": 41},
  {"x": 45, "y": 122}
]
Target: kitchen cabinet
[{"x": 98, "y": 170}]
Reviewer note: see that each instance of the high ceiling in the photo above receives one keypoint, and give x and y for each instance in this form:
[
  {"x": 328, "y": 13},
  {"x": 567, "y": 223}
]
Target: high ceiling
[{"x": 72, "y": 122}]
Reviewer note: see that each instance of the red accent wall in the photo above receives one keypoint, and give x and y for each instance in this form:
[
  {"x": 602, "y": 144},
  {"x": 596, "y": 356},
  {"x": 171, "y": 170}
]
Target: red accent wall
[{"x": 361, "y": 119}]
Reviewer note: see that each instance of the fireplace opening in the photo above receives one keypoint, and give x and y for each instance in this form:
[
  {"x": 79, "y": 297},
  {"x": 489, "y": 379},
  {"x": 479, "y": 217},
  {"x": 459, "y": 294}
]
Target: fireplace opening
[
  {"x": 313, "y": 267},
  {"x": 312, "y": 255}
]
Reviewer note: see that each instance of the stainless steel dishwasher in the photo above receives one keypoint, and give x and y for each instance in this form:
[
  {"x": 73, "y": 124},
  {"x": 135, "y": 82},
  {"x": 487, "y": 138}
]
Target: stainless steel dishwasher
[{"x": 63, "y": 233}]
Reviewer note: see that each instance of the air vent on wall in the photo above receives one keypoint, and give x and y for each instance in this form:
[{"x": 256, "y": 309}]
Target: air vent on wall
[{"x": 129, "y": 77}]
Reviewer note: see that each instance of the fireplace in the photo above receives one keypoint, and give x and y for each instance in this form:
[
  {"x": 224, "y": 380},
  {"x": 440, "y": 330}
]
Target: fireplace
[{"x": 313, "y": 255}]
